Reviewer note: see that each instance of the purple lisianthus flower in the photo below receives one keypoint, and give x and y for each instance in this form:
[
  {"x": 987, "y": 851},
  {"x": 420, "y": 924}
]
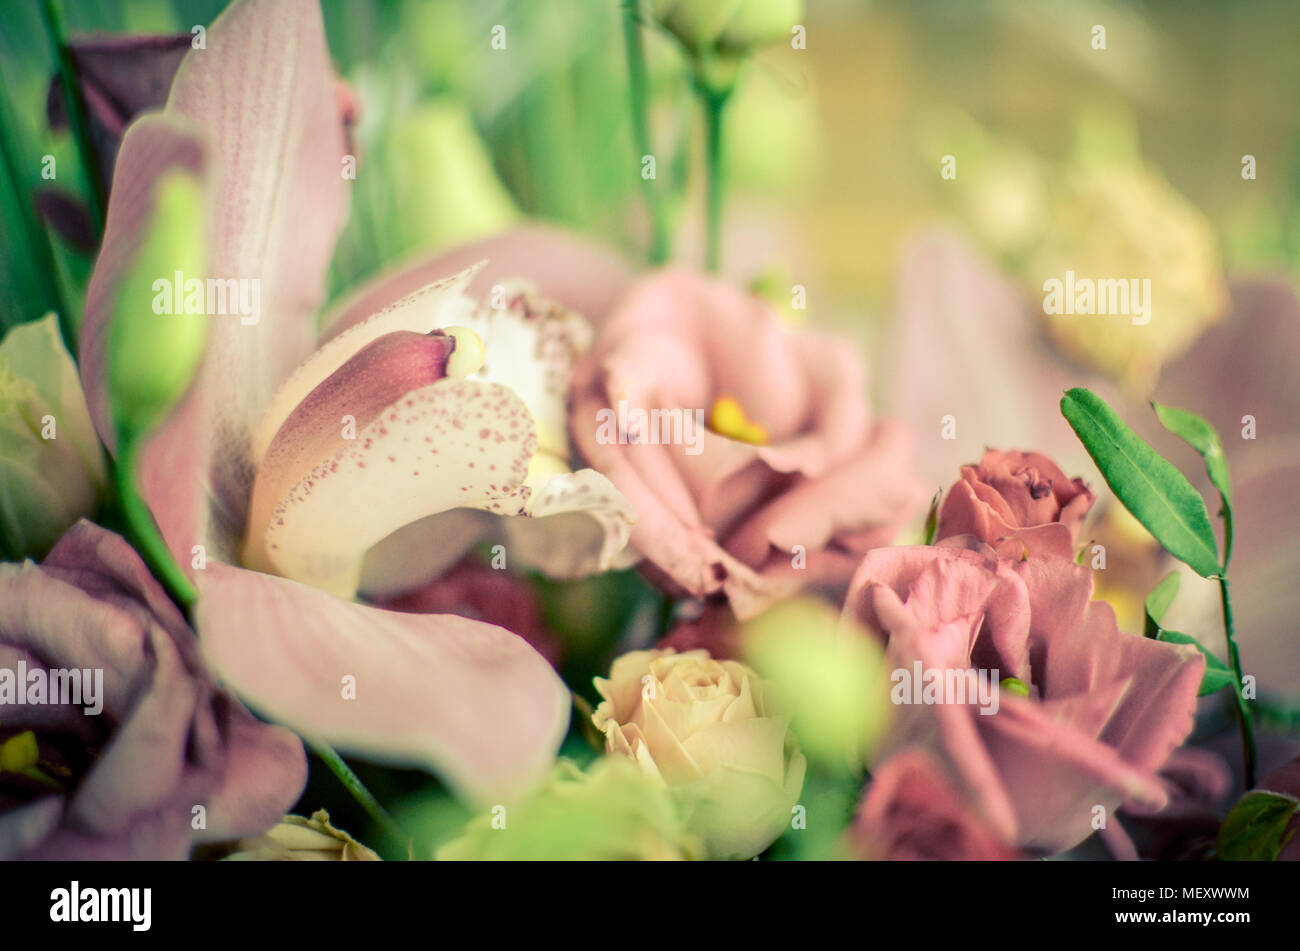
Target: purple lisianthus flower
[{"x": 169, "y": 760}]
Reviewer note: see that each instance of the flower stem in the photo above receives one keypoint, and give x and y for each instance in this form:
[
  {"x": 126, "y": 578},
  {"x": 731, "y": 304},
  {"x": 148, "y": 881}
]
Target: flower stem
[
  {"x": 638, "y": 94},
  {"x": 143, "y": 532},
  {"x": 1243, "y": 712},
  {"x": 76, "y": 110},
  {"x": 714, "y": 102},
  {"x": 353, "y": 784}
]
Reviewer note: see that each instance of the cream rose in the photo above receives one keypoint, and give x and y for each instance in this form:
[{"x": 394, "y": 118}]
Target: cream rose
[
  {"x": 706, "y": 728},
  {"x": 296, "y": 839}
]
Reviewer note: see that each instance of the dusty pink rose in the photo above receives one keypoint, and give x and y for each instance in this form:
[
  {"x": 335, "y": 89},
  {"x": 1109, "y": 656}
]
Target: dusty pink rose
[
  {"x": 789, "y": 481},
  {"x": 911, "y": 812},
  {"x": 1020, "y": 503},
  {"x": 1104, "y": 709},
  {"x": 124, "y": 783}
]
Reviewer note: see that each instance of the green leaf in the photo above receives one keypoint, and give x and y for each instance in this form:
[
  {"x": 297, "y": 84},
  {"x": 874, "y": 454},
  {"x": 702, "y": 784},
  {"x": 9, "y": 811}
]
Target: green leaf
[
  {"x": 1201, "y": 436},
  {"x": 932, "y": 518},
  {"x": 1149, "y": 486},
  {"x": 1217, "y": 674},
  {"x": 1255, "y": 829},
  {"x": 1158, "y": 601}
]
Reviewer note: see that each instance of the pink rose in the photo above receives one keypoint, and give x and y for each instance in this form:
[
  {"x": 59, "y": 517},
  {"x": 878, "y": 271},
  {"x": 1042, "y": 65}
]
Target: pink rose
[
  {"x": 1021, "y": 503},
  {"x": 125, "y": 783},
  {"x": 911, "y": 812},
  {"x": 1103, "y": 709},
  {"x": 746, "y": 447}
]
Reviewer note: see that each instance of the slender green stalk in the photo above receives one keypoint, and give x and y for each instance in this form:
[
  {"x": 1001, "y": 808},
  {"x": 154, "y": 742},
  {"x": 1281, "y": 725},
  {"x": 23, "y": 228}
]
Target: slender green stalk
[
  {"x": 144, "y": 534},
  {"x": 1227, "y": 535},
  {"x": 37, "y": 241},
  {"x": 1243, "y": 712},
  {"x": 76, "y": 111},
  {"x": 638, "y": 93},
  {"x": 714, "y": 103},
  {"x": 353, "y": 784}
]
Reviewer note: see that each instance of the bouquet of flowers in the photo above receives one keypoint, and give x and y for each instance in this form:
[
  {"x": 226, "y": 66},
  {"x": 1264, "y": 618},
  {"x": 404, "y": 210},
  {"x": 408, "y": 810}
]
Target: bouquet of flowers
[{"x": 539, "y": 547}]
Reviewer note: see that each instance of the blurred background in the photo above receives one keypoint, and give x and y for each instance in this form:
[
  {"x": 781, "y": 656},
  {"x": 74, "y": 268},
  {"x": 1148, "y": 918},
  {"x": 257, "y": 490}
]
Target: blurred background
[
  {"x": 834, "y": 151},
  {"x": 1167, "y": 146}
]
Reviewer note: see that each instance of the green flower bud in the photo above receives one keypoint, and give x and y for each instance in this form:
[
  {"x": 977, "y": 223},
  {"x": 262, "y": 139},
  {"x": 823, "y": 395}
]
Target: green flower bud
[
  {"x": 152, "y": 355},
  {"x": 834, "y": 686},
  {"x": 719, "y": 33},
  {"x": 611, "y": 812},
  {"x": 51, "y": 464},
  {"x": 442, "y": 169}
]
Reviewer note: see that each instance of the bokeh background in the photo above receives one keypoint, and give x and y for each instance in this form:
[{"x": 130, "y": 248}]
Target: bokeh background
[
  {"x": 834, "y": 150},
  {"x": 834, "y": 156}
]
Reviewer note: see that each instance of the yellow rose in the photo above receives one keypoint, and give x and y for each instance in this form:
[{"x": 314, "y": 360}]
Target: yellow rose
[{"x": 706, "y": 729}]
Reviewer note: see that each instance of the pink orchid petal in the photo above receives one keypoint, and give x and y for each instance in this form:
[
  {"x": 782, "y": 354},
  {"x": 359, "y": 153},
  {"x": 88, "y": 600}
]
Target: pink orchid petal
[
  {"x": 153, "y": 146},
  {"x": 469, "y": 701},
  {"x": 174, "y": 458},
  {"x": 263, "y": 94},
  {"x": 260, "y": 102},
  {"x": 584, "y": 276}
]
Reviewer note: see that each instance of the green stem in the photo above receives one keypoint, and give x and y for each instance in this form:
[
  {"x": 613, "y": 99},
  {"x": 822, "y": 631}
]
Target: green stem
[
  {"x": 1243, "y": 712},
  {"x": 37, "y": 239},
  {"x": 353, "y": 784},
  {"x": 144, "y": 534},
  {"x": 1227, "y": 533},
  {"x": 637, "y": 91},
  {"x": 714, "y": 103},
  {"x": 76, "y": 113}
]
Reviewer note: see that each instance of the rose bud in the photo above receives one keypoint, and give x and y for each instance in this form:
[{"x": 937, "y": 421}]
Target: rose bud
[
  {"x": 295, "y": 839},
  {"x": 1020, "y": 503}
]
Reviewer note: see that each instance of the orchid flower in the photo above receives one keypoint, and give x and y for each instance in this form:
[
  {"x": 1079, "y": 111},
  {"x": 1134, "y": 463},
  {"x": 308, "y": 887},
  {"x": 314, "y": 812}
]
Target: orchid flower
[{"x": 283, "y": 468}]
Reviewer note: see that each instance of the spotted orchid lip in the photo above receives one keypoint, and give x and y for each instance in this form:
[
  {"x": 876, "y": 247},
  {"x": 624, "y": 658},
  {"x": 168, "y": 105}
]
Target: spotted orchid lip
[{"x": 348, "y": 400}]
